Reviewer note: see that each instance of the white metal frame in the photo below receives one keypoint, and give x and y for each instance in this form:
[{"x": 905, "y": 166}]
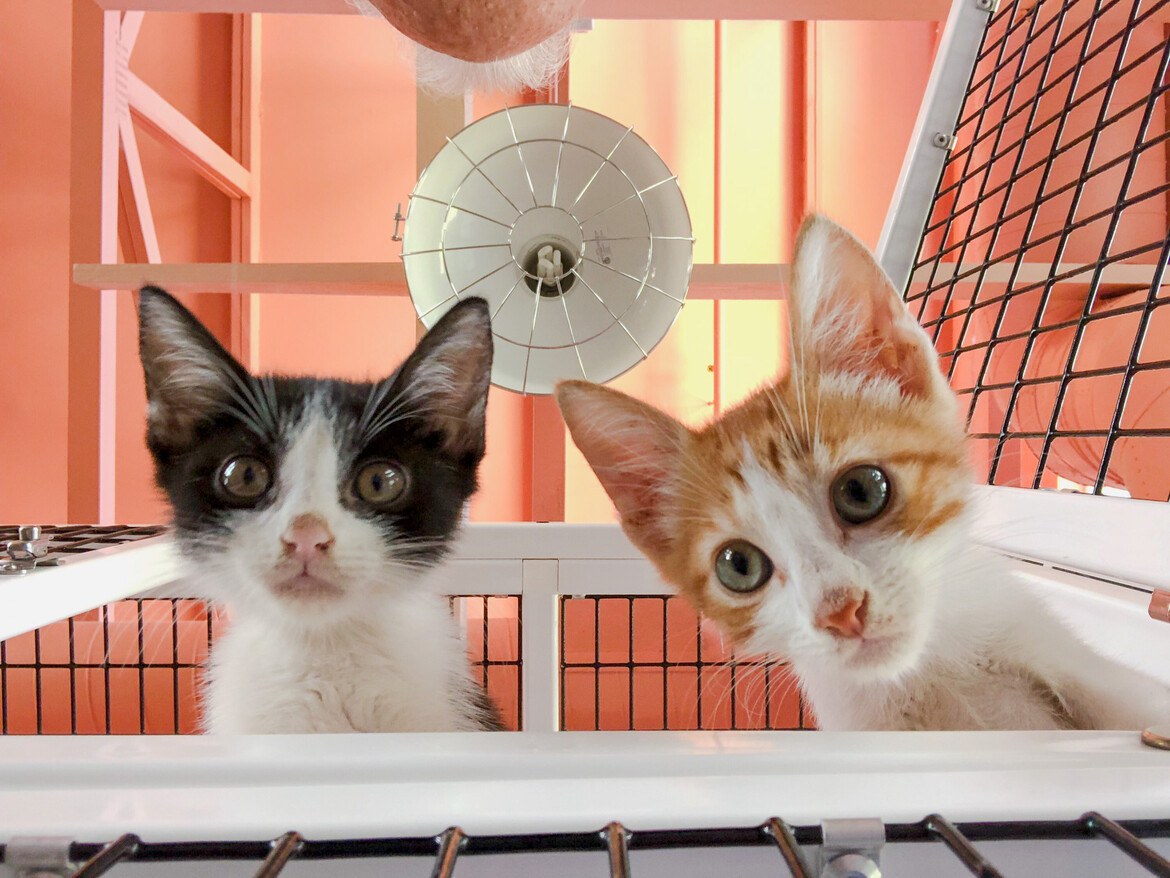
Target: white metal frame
[
  {"x": 932, "y": 138},
  {"x": 541, "y": 563}
]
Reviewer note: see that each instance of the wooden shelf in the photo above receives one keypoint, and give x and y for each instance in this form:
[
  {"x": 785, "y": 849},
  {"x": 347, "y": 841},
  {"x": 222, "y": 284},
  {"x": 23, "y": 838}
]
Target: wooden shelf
[
  {"x": 1118, "y": 274},
  {"x": 371, "y": 278},
  {"x": 724, "y": 281},
  {"x": 295, "y": 278}
]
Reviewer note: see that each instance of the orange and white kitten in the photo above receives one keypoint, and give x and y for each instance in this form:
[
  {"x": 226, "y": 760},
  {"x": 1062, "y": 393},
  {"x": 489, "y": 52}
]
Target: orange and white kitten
[{"x": 824, "y": 521}]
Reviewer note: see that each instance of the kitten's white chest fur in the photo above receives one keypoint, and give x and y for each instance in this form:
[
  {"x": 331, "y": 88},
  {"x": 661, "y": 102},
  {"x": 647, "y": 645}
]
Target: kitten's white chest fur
[{"x": 399, "y": 670}]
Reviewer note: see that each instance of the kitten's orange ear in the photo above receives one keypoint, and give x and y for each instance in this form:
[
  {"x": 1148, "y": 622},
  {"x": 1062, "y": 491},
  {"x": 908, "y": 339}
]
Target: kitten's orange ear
[
  {"x": 634, "y": 449},
  {"x": 847, "y": 317}
]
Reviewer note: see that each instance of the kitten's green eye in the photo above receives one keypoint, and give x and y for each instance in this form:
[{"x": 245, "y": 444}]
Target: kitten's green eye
[
  {"x": 380, "y": 483},
  {"x": 244, "y": 478},
  {"x": 742, "y": 567},
  {"x": 861, "y": 494}
]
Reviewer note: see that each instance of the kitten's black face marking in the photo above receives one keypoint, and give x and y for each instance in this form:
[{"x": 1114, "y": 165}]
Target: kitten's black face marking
[
  {"x": 244, "y": 480},
  {"x": 236, "y": 454}
]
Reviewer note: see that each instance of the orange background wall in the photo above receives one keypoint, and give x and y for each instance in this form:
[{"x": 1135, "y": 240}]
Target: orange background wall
[{"x": 337, "y": 155}]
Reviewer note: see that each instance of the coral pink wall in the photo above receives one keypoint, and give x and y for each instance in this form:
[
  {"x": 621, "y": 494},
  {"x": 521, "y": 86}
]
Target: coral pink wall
[
  {"x": 34, "y": 257},
  {"x": 338, "y": 154},
  {"x": 866, "y": 81}
]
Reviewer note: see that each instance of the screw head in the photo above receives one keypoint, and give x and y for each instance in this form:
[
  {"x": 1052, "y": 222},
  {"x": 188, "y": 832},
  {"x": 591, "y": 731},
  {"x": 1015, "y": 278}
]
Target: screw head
[{"x": 851, "y": 866}]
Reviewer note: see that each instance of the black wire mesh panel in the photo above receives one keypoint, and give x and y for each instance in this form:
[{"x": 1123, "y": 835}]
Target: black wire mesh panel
[
  {"x": 1042, "y": 273},
  {"x": 134, "y": 666},
  {"x": 646, "y": 662},
  {"x": 493, "y": 629}
]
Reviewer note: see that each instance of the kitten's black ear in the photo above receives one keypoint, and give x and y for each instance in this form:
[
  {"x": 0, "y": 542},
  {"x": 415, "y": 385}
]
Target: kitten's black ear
[
  {"x": 188, "y": 373},
  {"x": 634, "y": 449},
  {"x": 847, "y": 317},
  {"x": 448, "y": 375}
]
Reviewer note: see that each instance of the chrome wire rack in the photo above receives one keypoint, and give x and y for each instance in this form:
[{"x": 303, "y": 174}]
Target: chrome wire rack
[{"x": 806, "y": 851}]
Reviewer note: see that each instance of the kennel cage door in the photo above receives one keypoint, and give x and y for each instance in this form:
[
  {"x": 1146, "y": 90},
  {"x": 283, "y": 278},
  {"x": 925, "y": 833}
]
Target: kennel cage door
[{"x": 569, "y": 225}]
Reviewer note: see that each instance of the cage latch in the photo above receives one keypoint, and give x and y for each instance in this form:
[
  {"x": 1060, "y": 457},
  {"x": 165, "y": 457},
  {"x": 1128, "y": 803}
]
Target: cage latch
[
  {"x": 20, "y": 555},
  {"x": 39, "y": 856},
  {"x": 852, "y": 848}
]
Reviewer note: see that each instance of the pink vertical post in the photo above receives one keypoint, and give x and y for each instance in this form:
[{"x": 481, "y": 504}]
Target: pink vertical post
[
  {"x": 93, "y": 237},
  {"x": 717, "y": 225},
  {"x": 245, "y": 308}
]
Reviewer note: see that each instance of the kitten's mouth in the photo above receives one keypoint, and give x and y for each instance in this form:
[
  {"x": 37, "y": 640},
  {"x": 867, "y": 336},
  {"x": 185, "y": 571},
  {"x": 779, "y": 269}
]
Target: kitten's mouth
[
  {"x": 306, "y": 586},
  {"x": 870, "y": 650}
]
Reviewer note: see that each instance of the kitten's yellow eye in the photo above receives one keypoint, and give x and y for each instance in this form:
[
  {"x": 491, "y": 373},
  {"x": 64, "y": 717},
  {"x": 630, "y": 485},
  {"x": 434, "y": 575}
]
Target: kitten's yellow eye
[
  {"x": 244, "y": 478},
  {"x": 380, "y": 483},
  {"x": 861, "y": 494},
  {"x": 742, "y": 567}
]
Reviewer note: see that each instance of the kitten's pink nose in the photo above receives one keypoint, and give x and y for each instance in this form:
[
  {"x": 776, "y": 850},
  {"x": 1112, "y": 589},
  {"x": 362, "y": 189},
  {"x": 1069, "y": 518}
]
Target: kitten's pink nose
[
  {"x": 307, "y": 538},
  {"x": 847, "y": 620}
]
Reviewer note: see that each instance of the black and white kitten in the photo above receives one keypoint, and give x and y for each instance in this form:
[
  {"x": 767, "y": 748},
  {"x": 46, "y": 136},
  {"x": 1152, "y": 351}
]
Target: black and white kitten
[{"x": 315, "y": 508}]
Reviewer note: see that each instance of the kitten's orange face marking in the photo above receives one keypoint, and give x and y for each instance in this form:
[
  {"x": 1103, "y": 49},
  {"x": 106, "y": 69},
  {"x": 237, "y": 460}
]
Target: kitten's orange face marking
[
  {"x": 863, "y": 390},
  {"x": 922, "y": 453}
]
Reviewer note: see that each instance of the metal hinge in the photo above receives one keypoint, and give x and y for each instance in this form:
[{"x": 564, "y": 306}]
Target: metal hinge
[
  {"x": 20, "y": 555},
  {"x": 39, "y": 856},
  {"x": 852, "y": 848}
]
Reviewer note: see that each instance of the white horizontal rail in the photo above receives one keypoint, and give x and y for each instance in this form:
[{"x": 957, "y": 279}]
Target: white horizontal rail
[
  {"x": 1115, "y": 538},
  {"x": 92, "y": 580},
  {"x": 256, "y": 787}
]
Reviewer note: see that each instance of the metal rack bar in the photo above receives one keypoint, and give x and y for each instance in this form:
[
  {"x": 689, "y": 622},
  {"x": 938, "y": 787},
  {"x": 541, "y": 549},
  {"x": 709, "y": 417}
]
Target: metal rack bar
[
  {"x": 788, "y": 839},
  {"x": 109, "y": 856},
  {"x": 283, "y": 849},
  {"x": 779, "y": 832},
  {"x": 617, "y": 842},
  {"x": 1128, "y": 843},
  {"x": 939, "y": 826},
  {"x": 450, "y": 844}
]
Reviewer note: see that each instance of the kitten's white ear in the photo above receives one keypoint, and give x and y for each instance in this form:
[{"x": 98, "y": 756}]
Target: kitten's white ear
[
  {"x": 846, "y": 315},
  {"x": 188, "y": 373},
  {"x": 635, "y": 451},
  {"x": 448, "y": 375}
]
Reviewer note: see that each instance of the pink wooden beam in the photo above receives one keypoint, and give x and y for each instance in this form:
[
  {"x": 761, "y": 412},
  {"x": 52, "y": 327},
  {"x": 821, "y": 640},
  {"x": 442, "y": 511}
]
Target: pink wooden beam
[
  {"x": 128, "y": 33},
  {"x": 297, "y": 278},
  {"x": 93, "y": 237},
  {"x": 160, "y": 119},
  {"x": 762, "y": 10},
  {"x": 245, "y": 308},
  {"x": 135, "y": 201}
]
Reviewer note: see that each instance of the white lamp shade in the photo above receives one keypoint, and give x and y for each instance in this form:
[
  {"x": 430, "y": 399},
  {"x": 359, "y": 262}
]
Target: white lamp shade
[{"x": 571, "y": 227}]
